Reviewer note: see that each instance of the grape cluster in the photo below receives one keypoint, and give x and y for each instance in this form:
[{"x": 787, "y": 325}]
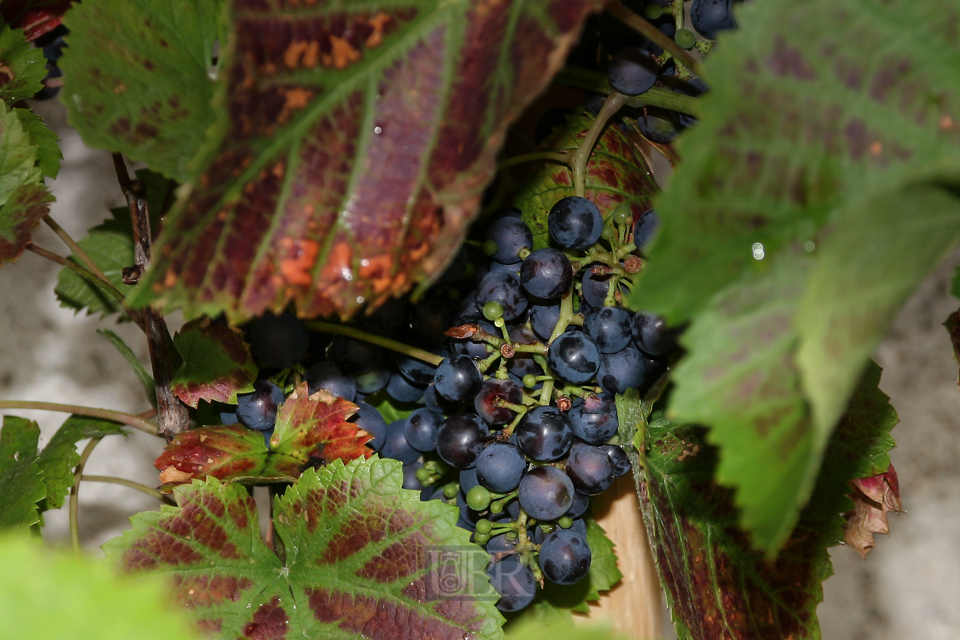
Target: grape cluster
[{"x": 516, "y": 423}]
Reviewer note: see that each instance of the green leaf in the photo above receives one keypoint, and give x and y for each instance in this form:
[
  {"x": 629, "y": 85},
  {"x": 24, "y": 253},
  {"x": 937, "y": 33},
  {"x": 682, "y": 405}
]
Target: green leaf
[
  {"x": 18, "y": 156},
  {"x": 361, "y": 558},
  {"x": 717, "y": 585},
  {"x": 91, "y": 602},
  {"x": 137, "y": 77},
  {"x": 19, "y": 218},
  {"x": 603, "y": 573},
  {"x": 146, "y": 380},
  {"x": 955, "y": 284},
  {"x": 22, "y": 68},
  {"x": 21, "y": 481},
  {"x": 349, "y": 153},
  {"x": 217, "y": 364},
  {"x": 59, "y": 458},
  {"x": 559, "y": 630},
  {"x": 48, "y": 152},
  {"x": 805, "y": 147},
  {"x": 616, "y": 173}
]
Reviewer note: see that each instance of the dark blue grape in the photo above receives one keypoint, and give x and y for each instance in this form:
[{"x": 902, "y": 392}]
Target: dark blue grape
[
  {"x": 645, "y": 227},
  {"x": 590, "y": 468},
  {"x": 52, "y": 51},
  {"x": 460, "y": 440},
  {"x": 278, "y": 341},
  {"x": 595, "y": 419},
  {"x": 371, "y": 421},
  {"x": 543, "y": 319},
  {"x": 574, "y": 357},
  {"x": 457, "y": 378},
  {"x": 659, "y": 125},
  {"x": 575, "y": 223},
  {"x": 396, "y": 446},
  {"x": 546, "y": 273},
  {"x": 420, "y": 429},
  {"x": 544, "y": 434},
  {"x": 493, "y": 390},
  {"x": 401, "y": 390},
  {"x": 627, "y": 369},
  {"x": 373, "y": 380},
  {"x": 509, "y": 233},
  {"x": 709, "y": 17},
  {"x": 513, "y": 581},
  {"x": 500, "y": 544},
  {"x": 500, "y": 466},
  {"x": 416, "y": 371},
  {"x": 410, "y": 476},
  {"x": 468, "y": 480},
  {"x": 610, "y": 328},
  {"x": 633, "y": 71},
  {"x": 594, "y": 288},
  {"x": 354, "y": 356},
  {"x": 621, "y": 463},
  {"x": 387, "y": 319},
  {"x": 545, "y": 493},
  {"x": 652, "y": 336},
  {"x": 258, "y": 409},
  {"x": 228, "y": 416},
  {"x": 504, "y": 288},
  {"x": 580, "y": 505},
  {"x": 508, "y": 268},
  {"x": 564, "y": 557},
  {"x": 578, "y": 527},
  {"x": 435, "y": 402},
  {"x": 326, "y": 375}
]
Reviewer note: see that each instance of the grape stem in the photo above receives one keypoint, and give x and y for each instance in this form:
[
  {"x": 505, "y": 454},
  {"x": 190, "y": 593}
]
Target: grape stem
[
  {"x": 87, "y": 275},
  {"x": 619, "y": 11},
  {"x": 563, "y": 157},
  {"x": 579, "y": 161},
  {"x": 566, "y": 312},
  {"x": 77, "y": 251},
  {"x": 142, "y": 488},
  {"x": 386, "y": 343},
  {"x": 117, "y": 416},
  {"x": 75, "y": 494},
  {"x": 596, "y": 81}
]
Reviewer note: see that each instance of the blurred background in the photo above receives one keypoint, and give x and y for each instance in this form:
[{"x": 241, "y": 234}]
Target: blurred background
[{"x": 909, "y": 586}]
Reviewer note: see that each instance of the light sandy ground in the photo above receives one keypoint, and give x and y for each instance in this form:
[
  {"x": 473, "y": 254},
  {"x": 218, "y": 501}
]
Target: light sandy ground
[{"x": 908, "y": 588}]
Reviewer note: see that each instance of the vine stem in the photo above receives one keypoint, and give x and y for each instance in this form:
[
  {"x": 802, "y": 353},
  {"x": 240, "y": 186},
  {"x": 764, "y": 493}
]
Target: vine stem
[
  {"x": 75, "y": 494},
  {"x": 117, "y": 416},
  {"x": 86, "y": 274},
  {"x": 579, "y": 161},
  {"x": 386, "y": 343},
  {"x": 597, "y": 81},
  {"x": 619, "y": 11},
  {"x": 142, "y": 488},
  {"x": 80, "y": 253},
  {"x": 556, "y": 156}
]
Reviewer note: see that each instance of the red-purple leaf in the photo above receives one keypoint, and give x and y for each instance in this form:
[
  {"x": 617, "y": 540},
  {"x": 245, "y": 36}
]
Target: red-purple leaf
[
  {"x": 19, "y": 218},
  {"x": 352, "y": 149},
  {"x": 223, "y": 452},
  {"x": 360, "y": 560},
  {"x": 216, "y": 363},
  {"x": 874, "y": 498}
]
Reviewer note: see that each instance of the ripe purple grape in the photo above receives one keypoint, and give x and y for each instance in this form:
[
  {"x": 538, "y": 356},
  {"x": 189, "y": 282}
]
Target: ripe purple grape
[
  {"x": 590, "y": 469},
  {"x": 420, "y": 429},
  {"x": 509, "y": 234},
  {"x": 545, "y": 493},
  {"x": 371, "y": 421},
  {"x": 513, "y": 581},
  {"x": 402, "y": 390},
  {"x": 621, "y": 463},
  {"x": 575, "y": 223},
  {"x": 627, "y": 369},
  {"x": 544, "y": 434},
  {"x": 594, "y": 288},
  {"x": 652, "y": 336},
  {"x": 457, "y": 378},
  {"x": 354, "y": 356},
  {"x": 258, "y": 409},
  {"x": 500, "y": 466},
  {"x": 543, "y": 319},
  {"x": 395, "y": 445},
  {"x": 610, "y": 328},
  {"x": 595, "y": 419},
  {"x": 546, "y": 273},
  {"x": 460, "y": 440},
  {"x": 491, "y": 392},
  {"x": 633, "y": 71},
  {"x": 565, "y": 557},
  {"x": 326, "y": 375},
  {"x": 645, "y": 227},
  {"x": 709, "y": 17},
  {"x": 574, "y": 357},
  {"x": 279, "y": 341}
]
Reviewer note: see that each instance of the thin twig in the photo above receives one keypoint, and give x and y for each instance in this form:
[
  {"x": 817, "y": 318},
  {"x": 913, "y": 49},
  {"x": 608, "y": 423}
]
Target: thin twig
[
  {"x": 386, "y": 343},
  {"x": 75, "y": 494},
  {"x": 596, "y": 81},
  {"x": 554, "y": 156},
  {"x": 142, "y": 488},
  {"x": 77, "y": 251},
  {"x": 619, "y": 11},
  {"x": 77, "y": 269},
  {"x": 117, "y": 416},
  {"x": 579, "y": 161}
]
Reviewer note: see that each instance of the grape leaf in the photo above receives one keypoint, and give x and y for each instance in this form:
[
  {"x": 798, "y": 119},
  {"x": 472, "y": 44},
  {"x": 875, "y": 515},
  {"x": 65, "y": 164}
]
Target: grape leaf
[
  {"x": 22, "y": 68},
  {"x": 873, "y": 499},
  {"x": 805, "y": 145},
  {"x": 137, "y": 77},
  {"x": 21, "y": 481},
  {"x": 18, "y": 156},
  {"x": 59, "y": 458},
  {"x": 616, "y": 173},
  {"x": 91, "y": 602},
  {"x": 35, "y": 17},
  {"x": 19, "y": 218},
  {"x": 48, "y": 152},
  {"x": 310, "y": 430},
  {"x": 217, "y": 364},
  {"x": 351, "y": 150},
  {"x": 146, "y": 380},
  {"x": 537, "y": 629},
  {"x": 717, "y": 585},
  {"x": 359, "y": 559}
]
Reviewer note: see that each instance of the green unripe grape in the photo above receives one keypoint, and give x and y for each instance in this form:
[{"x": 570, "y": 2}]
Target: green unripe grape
[
  {"x": 484, "y": 526},
  {"x": 608, "y": 233},
  {"x": 565, "y": 522},
  {"x": 653, "y": 11},
  {"x": 450, "y": 491},
  {"x": 478, "y": 498},
  {"x": 496, "y": 507},
  {"x": 492, "y": 310},
  {"x": 685, "y": 38},
  {"x": 423, "y": 474},
  {"x": 622, "y": 214},
  {"x": 489, "y": 248},
  {"x": 481, "y": 538},
  {"x": 529, "y": 381}
]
